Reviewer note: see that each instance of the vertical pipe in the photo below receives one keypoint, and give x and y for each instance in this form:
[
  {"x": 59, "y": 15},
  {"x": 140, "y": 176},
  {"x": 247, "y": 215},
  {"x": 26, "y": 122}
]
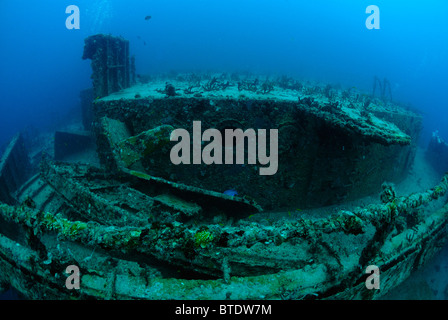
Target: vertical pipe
[
  {"x": 108, "y": 76},
  {"x": 132, "y": 70},
  {"x": 127, "y": 71}
]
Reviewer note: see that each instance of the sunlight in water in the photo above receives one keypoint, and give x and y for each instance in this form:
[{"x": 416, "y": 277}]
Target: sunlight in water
[{"x": 97, "y": 15}]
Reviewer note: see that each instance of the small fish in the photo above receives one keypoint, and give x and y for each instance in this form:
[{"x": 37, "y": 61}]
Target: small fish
[
  {"x": 231, "y": 192},
  {"x": 147, "y": 18}
]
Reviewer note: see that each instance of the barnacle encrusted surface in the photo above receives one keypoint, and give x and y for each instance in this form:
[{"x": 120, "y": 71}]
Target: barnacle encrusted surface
[{"x": 333, "y": 146}]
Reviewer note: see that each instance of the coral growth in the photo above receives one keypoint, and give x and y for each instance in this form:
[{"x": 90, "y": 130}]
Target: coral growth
[
  {"x": 214, "y": 85},
  {"x": 169, "y": 90},
  {"x": 203, "y": 238}
]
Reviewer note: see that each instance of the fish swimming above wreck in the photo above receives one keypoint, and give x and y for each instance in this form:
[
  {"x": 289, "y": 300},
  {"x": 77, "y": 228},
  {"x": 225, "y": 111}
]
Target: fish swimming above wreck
[{"x": 138, "y": 226}]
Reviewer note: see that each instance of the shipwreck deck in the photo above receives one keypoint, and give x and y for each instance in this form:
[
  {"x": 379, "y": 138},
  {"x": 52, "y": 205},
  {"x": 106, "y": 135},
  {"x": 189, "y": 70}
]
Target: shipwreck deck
[
  {"x": 140, "y": 227},
  {"x": 334, "y": 145}
]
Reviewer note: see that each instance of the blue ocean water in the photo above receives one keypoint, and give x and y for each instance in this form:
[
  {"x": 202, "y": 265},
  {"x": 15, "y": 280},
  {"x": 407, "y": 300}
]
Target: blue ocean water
[{"x": 42, "y": 71}]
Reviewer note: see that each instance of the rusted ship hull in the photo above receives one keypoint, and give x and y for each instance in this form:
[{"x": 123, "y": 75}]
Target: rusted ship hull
[
  {"x": 138, "y": 226},
  {"x": 131, "y": 259}
]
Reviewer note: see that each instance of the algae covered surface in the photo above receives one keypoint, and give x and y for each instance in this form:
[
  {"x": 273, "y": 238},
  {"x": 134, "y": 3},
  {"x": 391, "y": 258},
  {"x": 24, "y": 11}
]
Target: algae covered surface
[{"x": 254, "y": 161}]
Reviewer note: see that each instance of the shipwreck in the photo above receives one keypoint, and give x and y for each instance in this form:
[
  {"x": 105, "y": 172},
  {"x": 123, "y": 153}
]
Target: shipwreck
[{"x": 140, "y": 227}]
